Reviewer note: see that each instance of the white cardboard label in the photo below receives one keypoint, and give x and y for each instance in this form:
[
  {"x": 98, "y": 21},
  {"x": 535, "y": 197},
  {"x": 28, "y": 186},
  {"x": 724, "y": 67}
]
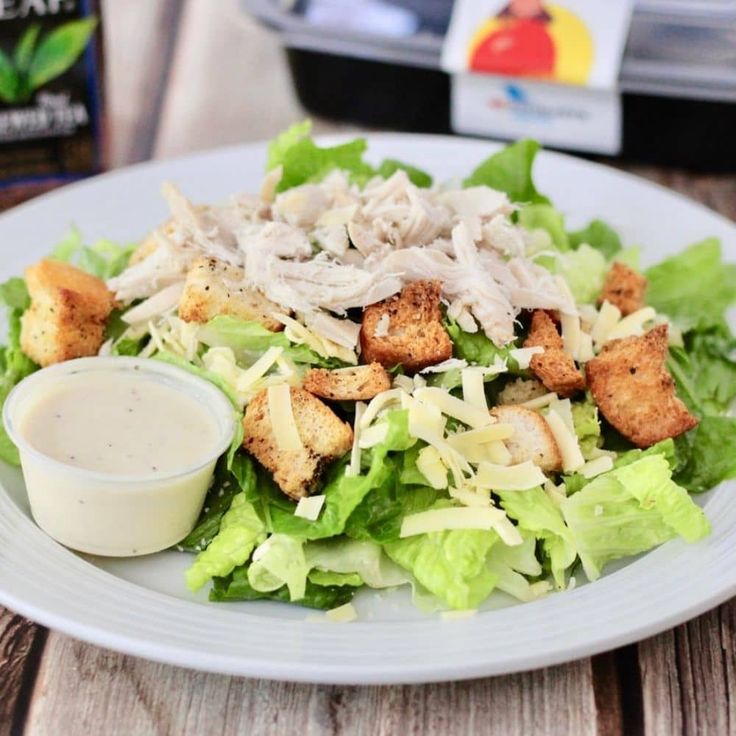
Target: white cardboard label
[
  {"x": 556, "y": 115},
  {"x": 547, "y": 70}
]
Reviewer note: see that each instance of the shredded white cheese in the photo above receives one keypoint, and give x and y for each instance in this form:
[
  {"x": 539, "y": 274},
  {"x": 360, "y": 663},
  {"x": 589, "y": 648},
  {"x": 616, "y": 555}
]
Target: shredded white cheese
[
  {"x": 377, "y": 403},
  {"x": 567, "y": 442},
  {"x": 281, "y": 415},
  {"x": 309, "y": 507},
  {"x": 373, "y": 435},
  {"x": 355, "y": 453},
  {"x": 608, "y": 317},
  {"x": 342, "y": 614},
  {"x": 498, "y": 453},
  {"x": 474, "y": 392},
  {"x": 633, "y": 324},
  {"x": 440, "y": 520},
  {"x": 430, "y": 465},
  {"x": 541, "y": 401},
  {"x": 445, "y": 365},
  {"x": 523, "y": 356},
  {"x": 597, "y": 466},
  {"x": 453, "y": 407},
  {"x": 519, "y": 477}
]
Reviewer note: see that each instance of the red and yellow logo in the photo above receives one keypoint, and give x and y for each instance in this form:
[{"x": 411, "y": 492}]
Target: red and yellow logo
[{"x": 530, "y": 38}]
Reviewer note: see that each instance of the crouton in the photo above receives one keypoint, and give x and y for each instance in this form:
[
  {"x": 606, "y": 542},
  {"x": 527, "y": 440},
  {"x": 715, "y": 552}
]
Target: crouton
[
  {"x": 324, "y": 436},
  {"x": 414, "y": 336},
  {"x": 68, "y": 312},
  {"x": 624, "y": 288},
  {"x": 634, "y": 391},
  {"x": 554, "y": 367},
  {"x": 520, "y": 391},
  {"x": 532, "y": 438},
  {"x": 360, "y": 383},
  {"x": 213, "y": 288}
]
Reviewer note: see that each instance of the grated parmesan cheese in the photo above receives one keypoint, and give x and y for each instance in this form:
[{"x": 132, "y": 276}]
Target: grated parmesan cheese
[
  {"x": 309, "y": 507},
  {"x": 523, "y": 356},
  {"x": 519, "y": 477},
  {"x": 281, "y": 415}
]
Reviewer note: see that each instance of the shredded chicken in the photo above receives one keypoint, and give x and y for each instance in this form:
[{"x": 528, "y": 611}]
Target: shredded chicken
[{"x": 327, "y": 247}]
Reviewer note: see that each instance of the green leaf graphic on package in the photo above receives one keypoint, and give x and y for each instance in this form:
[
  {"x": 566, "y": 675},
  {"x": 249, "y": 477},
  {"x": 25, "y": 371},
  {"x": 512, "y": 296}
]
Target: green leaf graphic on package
[{"x": 37, "y": 58}]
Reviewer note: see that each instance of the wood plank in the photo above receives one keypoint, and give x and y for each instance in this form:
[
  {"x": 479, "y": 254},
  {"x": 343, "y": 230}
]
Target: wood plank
[
  {"x": 20, "y": 645},
  {"x": 115, "y": 694},
  {"x": 689, "y": 676},
  {"x": 228, "y": 83},
  {"x": 139, "y": 37}
]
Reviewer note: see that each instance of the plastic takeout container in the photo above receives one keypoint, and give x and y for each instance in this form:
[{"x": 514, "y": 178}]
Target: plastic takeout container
[{"x": 106, "y": 513}]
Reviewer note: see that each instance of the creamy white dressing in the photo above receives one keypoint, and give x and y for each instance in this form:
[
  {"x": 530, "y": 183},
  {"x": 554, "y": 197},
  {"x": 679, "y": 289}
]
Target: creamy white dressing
[{"x": 120, "y": 422}]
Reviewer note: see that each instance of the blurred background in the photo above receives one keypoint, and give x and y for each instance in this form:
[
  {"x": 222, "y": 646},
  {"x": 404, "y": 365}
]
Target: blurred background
[{"x": 161, "y": 78}]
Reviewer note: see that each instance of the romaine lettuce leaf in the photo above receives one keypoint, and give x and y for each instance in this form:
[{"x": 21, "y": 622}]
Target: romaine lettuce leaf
[
  {"x": 390, "y": 166},
  {"x": 706, "y": 454},
  {"x": 693, "y": 288},
  {"x": 477, "y": 349},
  {"x": 343, "y": 493},
  {"x": 103, "y": 258},
  {"x": 545, "y": 217},
  {"x": 587, "y": 426},
  {"x": 218, "y": 500},
  {"x": 452, "y": 565},
  {"x": 598, "y": 235},
  {"x": 241, "y": 530},
  {"x": 324, "y": 577},
  {"x": 304, "y": 161},
  {"x": 630, "y": 510},
  {"x": 279, "y": 561},
  {"x": 346, "y": 556},
  {"x": 514, "y": 565},
  {"x": 584, "y": 270},
  {"x": 235, "y": 587},
  {"x": 510, "y": 171},
  {"x": 535, "y": 512}
]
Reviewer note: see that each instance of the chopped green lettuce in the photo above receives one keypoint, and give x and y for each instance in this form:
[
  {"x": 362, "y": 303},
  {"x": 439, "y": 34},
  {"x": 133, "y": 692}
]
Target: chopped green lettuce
[
  {"x": 103, "y": 258},
  {"x": 545, "y": 217},
  {"x": 600, "y": 236},
  {"x": 535, "y": 512},
  {"x": 343, "y": 492},
  {"x": 587, "y": 426},
  {"x": 325, "y": 577},
  {"x": 630, "y": 510},
  {"x": 584, "y": 270},
  {"x": 363, "y": 558},
  {"x": 693, "y": 288},
  {"x": 236, "y": 587},
  {"x": 304, "y": 161},
  {"x": 279, "y": 561},
  {"x": 515, "y": 565},
  {"x": 477, "y": 349},
  {"x": 510, "y": 171},
  {"x": 241, "y": 530},
  {"x": 452, "y": 564},
  {"x": 223, "y": 490},
  {"x": 706, "y": 454},
  {"x": 390, "y": 166}
]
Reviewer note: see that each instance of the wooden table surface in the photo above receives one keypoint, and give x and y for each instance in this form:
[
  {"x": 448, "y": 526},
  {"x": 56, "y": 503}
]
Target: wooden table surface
[{"x": 185, "y": 75}]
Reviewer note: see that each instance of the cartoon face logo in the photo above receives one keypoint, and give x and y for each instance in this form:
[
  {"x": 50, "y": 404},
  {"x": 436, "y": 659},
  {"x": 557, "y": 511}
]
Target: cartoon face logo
[{"x": 529, "y": 38}]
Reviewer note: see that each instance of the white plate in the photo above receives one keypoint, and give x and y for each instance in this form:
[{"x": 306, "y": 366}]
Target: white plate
[{"x": 141, "y": 606}]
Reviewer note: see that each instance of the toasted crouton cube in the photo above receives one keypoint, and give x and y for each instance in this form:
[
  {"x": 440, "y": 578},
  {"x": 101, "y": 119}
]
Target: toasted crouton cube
[
  {"x": 520, "y": 391},
  {"x": 358, "y": 383},
  {"x": 554, "y": 367},
  {"x": 215, "y": 288},
  {"x": 635, "y": 393},
  {"x": 324, "y": 436},
  {"x": 68, "y": 312},
  {"x": 532, "y": 438},
  {"x": 624, "y": 288},
  {"x": 414, "y": 336}
]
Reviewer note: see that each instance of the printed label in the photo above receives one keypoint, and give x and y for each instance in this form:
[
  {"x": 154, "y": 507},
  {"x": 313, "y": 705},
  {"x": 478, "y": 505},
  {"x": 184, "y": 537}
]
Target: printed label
[
  {"x": 542, "y": 69},
  {"x": 556, "y": 115}
]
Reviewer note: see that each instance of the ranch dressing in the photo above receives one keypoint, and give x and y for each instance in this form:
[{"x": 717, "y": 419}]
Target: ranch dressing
[
  {"x": 123, "y": 423},
  {"x": 117, "y": 453}
]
